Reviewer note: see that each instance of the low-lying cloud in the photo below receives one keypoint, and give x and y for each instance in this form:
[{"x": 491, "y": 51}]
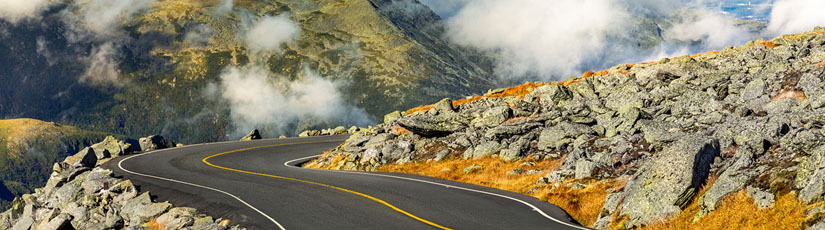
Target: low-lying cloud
[
  {"x": 268, "y": 33},
  {"x": 794, "y": 16},
  {"x": 551, "y": 40},
  {"x": 102, "y": 19},
  {"x": 259, "y": 99},
  {"x": 103, "y": 66},
  {"x": 17, "y": 10}
]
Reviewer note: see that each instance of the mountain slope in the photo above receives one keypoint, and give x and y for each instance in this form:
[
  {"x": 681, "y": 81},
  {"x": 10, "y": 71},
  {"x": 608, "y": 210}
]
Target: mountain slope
[
  {"x": 29, "y": 147},
  {"x": 166, "y": 58},
  {"x": 685, "y": 142}
]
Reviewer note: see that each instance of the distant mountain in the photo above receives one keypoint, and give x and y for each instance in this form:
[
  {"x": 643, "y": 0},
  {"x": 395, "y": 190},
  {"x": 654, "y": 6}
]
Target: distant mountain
[
  {"x": 29, "y": 147},
  {"x": 165, "y": 59}
]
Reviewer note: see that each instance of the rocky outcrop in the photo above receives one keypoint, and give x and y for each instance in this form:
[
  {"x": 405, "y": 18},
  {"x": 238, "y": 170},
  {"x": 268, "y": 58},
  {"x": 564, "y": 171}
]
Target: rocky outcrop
[
  {"x": 80, "y": 195},
  {"x": 340, "y": 130},
  {"x": 155, "y": 142},
  {"x": 253, "y": 135},
  {"x": 749, "y": 116}
]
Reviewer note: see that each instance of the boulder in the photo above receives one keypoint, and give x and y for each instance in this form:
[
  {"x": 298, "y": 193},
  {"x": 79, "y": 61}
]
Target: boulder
[
  {"x": 253, "y": 135},
  {"x": 309, "y": 133},
  {"x": 392, "y": 117},
  {"x": 85, "y": 158},
  {"x": 492, "y": 117},
  {"x": 154, "y": 142},
  {"x": 429, "y": 125},
  {"x": 732, "y": 180},
  {"x": 810, "y": 176},
  {"x": 109, "y": 146},
  {"x": 557, "y": 136},
  {"x": 665, "y": 184},
  {"x": 763, "y": 199},
  {"x": 339, "y": 130}
]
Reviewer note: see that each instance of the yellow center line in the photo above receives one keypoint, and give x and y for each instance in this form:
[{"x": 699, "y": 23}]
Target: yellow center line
[{"x": 206, "y": 161}]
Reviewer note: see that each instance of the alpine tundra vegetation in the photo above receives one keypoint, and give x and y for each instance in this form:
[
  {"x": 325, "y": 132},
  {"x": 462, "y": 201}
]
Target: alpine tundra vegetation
[{"x": 653, "y": 144}]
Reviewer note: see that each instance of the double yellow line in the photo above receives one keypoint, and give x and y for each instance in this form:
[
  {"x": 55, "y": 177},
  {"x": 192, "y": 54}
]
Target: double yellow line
[{"x": 206, "y": 161}]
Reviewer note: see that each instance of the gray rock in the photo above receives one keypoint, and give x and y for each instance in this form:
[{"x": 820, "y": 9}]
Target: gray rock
[
  {"x": 309, "y": 133},
  {"x": 492, "y": 117},
  {"x": 486, "y": 149},
  {"x": 392, "y": 117},
  {"x": 732, "y": 180},
  {"x": 24, "y": 223},
  {"x": 666, "y": 183},
  {"x": 508, "y": 130},
  {"x": 339, "y": 130},
  {"x": 154, "y": 142},
  {"x": 516, "y": 171},
  {"x": 557, "y": 176},
  {"x": 584, "y": 168},
  {"x": 61, "y": 222},
  {"x": 429, "y": 126},
  {"x": 763, "y": 199},
  {"x": 177, "y": 218},
  {"x": 85, "y": 158},
  {"x": 817, "y": 226},
  {"x": 109, "y": 147},
  {"x": 810, "y": 176},
  {"x": 563, "y": 133},
  {"x": 472, "y": 169},
  {"x": 253, "y": 135}
]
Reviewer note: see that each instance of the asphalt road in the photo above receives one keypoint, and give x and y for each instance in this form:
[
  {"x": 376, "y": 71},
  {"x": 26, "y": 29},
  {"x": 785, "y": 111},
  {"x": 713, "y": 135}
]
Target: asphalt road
[{"x": 251, "y": 184}]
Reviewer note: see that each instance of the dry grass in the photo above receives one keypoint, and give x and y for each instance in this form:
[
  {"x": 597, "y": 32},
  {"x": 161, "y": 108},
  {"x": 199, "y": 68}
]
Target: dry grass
[
  {"x": 738, "y": 211},
  {"x": 582, "y": 204},
  {"x": 769, "y": 45},
  {"x": 154, "y": 225},
  {"x": 515, "y": 91},
  {"x": 704, "y": 54},
  {"x": 789, "y": 94},
  {"x": 820, "y": 65}
]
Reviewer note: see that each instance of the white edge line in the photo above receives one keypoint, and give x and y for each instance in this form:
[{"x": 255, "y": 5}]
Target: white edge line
[
  {"x": 287, "y": 164},
  {"x": 120, "y": 165}
]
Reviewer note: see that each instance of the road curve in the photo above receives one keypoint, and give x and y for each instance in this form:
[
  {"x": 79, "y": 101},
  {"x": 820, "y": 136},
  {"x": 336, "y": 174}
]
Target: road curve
[{"x": 257, "y": 185}]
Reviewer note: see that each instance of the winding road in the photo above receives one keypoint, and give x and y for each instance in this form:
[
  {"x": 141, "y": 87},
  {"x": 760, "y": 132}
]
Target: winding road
[{"x": 257, "y": 184}]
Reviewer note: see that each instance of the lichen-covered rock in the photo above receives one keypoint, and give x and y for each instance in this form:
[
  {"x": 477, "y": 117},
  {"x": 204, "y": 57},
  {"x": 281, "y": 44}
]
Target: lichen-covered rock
[
  {"x": 665, "y": 184},
  {"x": 556, "y": 136},
  {"x": 763, "y": 199},
  {"x": 732, "y": 180},
  {"x": 154, "y": 142},
  {"x": 253, "y": 135},
  {"x": 79, "y": 195},
  {"x": 429, "y": 125}
]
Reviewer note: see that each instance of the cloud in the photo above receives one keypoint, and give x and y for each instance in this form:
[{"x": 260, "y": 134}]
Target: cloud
[
  {"x": 258, "y": 99},
  {"x": 17, "y": 10},
  {"x": 270, "y": 32},
  {"x": 546, "y": 38},
  {"x": 102, "y": 18},
  {"x": 198, "y": 35},
  {"x": 795, "y": 16},
  {"x": 102, "y": 66},
  {"x": 223, "y": 7},
  {"x": 552, "y": 40},
  {"x": 712, "y": 30}
]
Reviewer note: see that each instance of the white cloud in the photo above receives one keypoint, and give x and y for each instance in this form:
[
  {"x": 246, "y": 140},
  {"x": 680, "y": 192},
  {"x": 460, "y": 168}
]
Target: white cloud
[
  {"x": 223, "y": 7},
  {"x": 259, "y": 101},
  {"x": 16, "y": 10},
  {"x": 536, "y": 36},
  {"x": 551, "y": 40},
  {"x": 102, "y": 66},
  {"x": 270, "y": 32},
  {"x": 102, "y": 18},
  {"x": 795, "y": 16}
]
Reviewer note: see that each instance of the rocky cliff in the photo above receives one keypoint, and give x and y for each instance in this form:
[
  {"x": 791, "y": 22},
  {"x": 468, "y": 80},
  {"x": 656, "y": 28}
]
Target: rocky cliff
[
  {"x": 80, "y": 195},
  {"x": 679, "y": 132}
]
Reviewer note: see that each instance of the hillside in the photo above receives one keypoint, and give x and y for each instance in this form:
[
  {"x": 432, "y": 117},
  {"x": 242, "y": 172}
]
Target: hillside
[
  {"x": 29, "y": 148},
  {"x": 156, "y": 71},
  {"x": 728, "y": 139}
]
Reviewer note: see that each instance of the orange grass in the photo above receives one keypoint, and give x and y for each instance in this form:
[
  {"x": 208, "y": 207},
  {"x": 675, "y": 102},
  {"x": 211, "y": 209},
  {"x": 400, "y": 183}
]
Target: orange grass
[
  {"x": 154, "y": 225},
  {"x": 789, "y": 94},
  {"x": 515, "y": 91},
  {"x": 582, "y": 204},
  {"x": 820, "y": 65},
  {"x": 706, "y": 53},
  {"x": 738, "y": 211},
  {"x": 769, "y": 45}
]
